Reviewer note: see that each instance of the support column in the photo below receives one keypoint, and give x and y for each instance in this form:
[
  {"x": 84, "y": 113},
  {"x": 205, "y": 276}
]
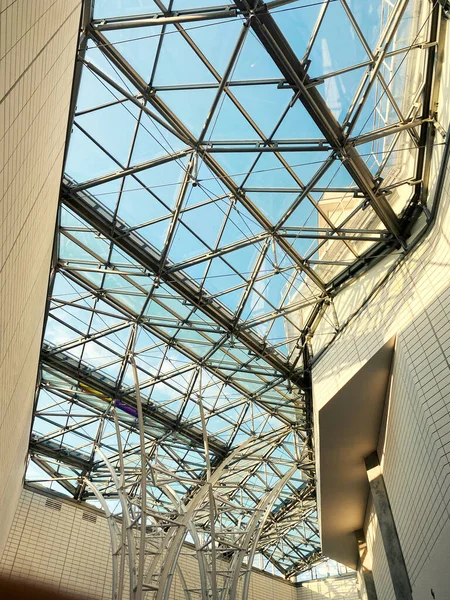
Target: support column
[
  {"x": 389, "y": 535},
  {"x": 365, "y": 571}
]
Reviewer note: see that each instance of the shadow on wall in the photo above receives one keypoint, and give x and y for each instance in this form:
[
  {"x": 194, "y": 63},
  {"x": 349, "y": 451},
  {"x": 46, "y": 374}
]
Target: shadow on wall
[
  {"x": 344, "y": 588},
  {"x": 415, "y": 446},
  {"x": 18, "y": 589},
  {"x": 400, "y": 302}
]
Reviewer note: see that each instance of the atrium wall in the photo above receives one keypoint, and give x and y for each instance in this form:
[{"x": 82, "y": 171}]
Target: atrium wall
[
  {"x": 414, "y": 449},
  {"x": 68, "y": 547},
  {"x": 37, "y": 50}
]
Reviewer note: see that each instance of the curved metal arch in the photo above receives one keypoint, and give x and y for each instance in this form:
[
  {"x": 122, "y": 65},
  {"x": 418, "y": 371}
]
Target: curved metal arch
[
  {"x": 117, "y": 580},
  {"x": 126, "y": 521},
  {"x": 193, "y": 505},
  {"x": 128, "y": 525},
  {"x": 249, "y": 545}
]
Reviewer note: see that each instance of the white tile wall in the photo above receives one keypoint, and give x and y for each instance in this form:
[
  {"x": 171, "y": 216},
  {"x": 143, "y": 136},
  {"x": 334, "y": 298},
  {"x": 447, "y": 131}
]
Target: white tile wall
[
  {"x": 37, "y": 50},
  {"x": 61, "y": 549},
  {"x": 339, "y": 588},
  {"x": 415, "y": 305}
]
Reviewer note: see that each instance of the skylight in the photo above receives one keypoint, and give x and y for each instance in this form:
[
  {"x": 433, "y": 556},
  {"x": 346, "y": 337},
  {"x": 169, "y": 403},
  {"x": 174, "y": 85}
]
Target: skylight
[{"x": 229, "y": 167}]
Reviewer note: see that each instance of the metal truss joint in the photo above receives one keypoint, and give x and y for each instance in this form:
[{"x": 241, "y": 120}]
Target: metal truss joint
[{"x": 445, "y": 4}]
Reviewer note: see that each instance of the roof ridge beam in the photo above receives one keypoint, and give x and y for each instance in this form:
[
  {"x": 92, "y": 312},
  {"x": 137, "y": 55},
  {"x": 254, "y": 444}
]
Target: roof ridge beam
[
  {"x": 64, "y": 365},
  {"x": 97, "y": 217},
  {"x": 276, "y": 45}
]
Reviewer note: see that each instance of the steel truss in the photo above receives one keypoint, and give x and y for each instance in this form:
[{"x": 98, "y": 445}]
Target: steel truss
[{"x": 198, "y": 252}]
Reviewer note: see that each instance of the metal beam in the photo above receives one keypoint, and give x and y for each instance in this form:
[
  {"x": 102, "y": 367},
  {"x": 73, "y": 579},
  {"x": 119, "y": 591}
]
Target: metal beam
[
  {"x": 138, "y": 249},
  {"x": 386, "y": 522},
  {"x": 183, "y": 133},
  {"x": 165, "y": 18},
  {"x": 295, "y": 74},
  {"x": 69, "y": 367},
  {"x": 59, "y": 452}
]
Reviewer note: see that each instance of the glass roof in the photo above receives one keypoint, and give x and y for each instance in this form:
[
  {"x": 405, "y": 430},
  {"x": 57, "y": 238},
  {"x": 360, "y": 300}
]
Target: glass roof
[{"x": 230, "y": 166}]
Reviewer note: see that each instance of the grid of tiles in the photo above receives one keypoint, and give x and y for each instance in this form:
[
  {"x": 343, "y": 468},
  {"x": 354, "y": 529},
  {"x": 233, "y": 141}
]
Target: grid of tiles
[
  {"x": 61, "y": 549},
  {"x": 58, "y": 548},
  {"x": 37, "y": 50},
  {"x": 415, "y": 305},
  {"x": 377, "y": 555},
  {"x": 342, "y": 588}
]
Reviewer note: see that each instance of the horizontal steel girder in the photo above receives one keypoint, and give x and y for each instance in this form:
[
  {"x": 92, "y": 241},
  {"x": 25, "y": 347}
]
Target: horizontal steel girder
[
  {"x": 69, "y": 367},
  {"x": 165, "y": 18},
  {"x": 98, "y": 216},
  {"x": 56, "y": 451},
  {"x": 295, "y": 74}
]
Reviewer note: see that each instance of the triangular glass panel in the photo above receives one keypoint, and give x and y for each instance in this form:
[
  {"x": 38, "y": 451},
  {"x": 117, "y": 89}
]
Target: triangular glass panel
[
  {"x": 228, "y": 123},
  {"x": 230, "y": 299},
  {"x": 236, "y": 164},
  {"x": 153, "y": 141},
  {"x": 85, "y": 160},
  {"x": 58, "y": 333},
  {"x": 298, "y": 124},
  {"x": 305, "y": 164},
  {"x": 178, "y": 64},
  {"x": 94, "y": 91},
  {"x": 328, "y": 53},
  {"x": 98, "y": 247},
  {"x": 254, "y": 62},
  {"x": 78, "y": 318},
  {"x": 297, "y": 22},
  {"x": 378, "y": 111},
  {"x": 269, "y": 172},
  {"x": 97, "y": 58},
  {"x": 190, "y": 106},
  {"x": 102, "y": 126},
  {"x": 138, "y": 205},
  {"x": 265, "y": 105},
  {"x": 185, "y": 245},
  {"x": 217, "y": 41},
  {"x": 108, "y": 193},
  {"x": 339, "y": 91},
  {"x": 273, "y": 204},
  {"x": 305, "y": 215},
  {"x": 139, "y": 51},
  {"x": 164, "y": 180},
  {"x": 71, "y": 252},
  {"x": 206, "y": 221},
  {"x": 156, "y": 233},
  {"x": 221, "y": 278}
]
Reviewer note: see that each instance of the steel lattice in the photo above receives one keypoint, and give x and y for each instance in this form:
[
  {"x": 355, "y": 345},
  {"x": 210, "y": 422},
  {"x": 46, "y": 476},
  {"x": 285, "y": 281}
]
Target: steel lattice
[{"x": 229, "y": 169}]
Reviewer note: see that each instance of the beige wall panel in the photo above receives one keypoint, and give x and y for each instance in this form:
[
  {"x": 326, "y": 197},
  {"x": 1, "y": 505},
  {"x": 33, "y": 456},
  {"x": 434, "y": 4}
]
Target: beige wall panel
[
  {"x": 415, "y": 456},
  {"x": 37, "y": 50},
  {"x": 63, "y": 548}
]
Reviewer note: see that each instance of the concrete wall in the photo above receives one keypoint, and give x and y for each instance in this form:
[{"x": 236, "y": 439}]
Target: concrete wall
[
  {"x": 415, "y": 454},
  {"x": 63, "y": 547},
  {"x": 37, "y": 49}
]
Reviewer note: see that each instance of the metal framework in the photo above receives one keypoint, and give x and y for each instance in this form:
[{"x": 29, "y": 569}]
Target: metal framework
[{"x": 229, "y": 169}]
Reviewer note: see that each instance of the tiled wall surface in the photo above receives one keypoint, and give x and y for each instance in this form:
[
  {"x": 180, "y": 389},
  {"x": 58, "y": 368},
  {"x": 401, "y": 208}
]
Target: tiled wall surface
[
  {"x": 337, "y": 588},
  {"x": 415, "y": 305},
  {"x": 37, "y": 50},
  {"x": 59, "y": 547}
]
